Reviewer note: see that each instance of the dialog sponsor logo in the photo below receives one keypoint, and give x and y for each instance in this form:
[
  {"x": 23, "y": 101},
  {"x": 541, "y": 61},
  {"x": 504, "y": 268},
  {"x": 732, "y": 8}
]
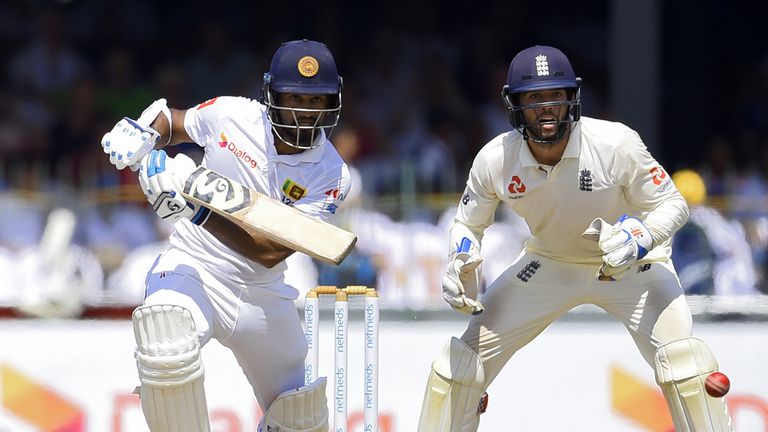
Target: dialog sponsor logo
[{"x": 239, "y": 153}]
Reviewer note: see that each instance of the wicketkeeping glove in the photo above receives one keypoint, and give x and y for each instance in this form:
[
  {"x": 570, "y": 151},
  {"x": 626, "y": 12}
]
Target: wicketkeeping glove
[
  {"x": 622, "y": 244},
  {"x": 463, "y": 273},
  {"x": 162, "y": 179}
]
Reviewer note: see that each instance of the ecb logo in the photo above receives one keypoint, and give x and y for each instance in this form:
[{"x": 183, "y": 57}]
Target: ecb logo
[{"x": 542, "y": 65}]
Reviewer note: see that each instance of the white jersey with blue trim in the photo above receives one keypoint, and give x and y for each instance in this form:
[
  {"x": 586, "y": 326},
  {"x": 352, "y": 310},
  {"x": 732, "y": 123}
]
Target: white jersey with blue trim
[
  {"x": 605, "y": 171},
  {"x": 236, "y": 135}
]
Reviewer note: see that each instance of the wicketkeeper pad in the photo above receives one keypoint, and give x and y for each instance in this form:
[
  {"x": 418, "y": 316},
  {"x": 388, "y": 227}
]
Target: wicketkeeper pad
[
  {"x": 682, "y": 367},
  {"x": 454, "y": 391},
  {"x": 170, "y": 369}
]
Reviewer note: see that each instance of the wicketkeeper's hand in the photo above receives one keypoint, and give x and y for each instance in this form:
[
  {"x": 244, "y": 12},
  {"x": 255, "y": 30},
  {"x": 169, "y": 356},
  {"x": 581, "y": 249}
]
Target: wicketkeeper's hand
[
  {"x": 462, "y": 272},
  {"x": 622, "y": 244},
  {"x": 162, "y": 180}
]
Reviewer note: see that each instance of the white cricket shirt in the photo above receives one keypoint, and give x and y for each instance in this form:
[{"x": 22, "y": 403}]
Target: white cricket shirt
[
  {"x": 237, "y": 137},
  {"x": 606, "y": 171}
]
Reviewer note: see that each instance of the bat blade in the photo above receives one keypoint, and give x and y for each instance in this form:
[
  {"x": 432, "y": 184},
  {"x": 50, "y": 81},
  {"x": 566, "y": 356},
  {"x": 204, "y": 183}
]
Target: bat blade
[
  {"x": 257, "y": 212},
  {"x": 57, "y": 236}
]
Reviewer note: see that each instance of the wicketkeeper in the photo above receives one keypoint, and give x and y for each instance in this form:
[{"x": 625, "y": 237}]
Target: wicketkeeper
[{"x": 601, "y": 211}]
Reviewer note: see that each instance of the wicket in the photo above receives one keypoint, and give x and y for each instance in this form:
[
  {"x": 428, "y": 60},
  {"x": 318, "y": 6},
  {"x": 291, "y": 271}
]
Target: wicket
[{"x": 341, "y": 320}]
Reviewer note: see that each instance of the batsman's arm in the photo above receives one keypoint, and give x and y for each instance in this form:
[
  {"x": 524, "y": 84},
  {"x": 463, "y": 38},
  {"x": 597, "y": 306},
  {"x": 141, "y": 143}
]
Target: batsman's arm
[
  {"x": 162, "y": 181},
  {"x": 270, "y": 218},
  {"x": 178, "y": 134},
  {"x": 252, "y": 245}
]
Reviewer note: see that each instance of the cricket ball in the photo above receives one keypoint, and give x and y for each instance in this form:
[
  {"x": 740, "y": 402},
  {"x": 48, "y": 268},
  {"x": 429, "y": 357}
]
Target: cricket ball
[{"x": 717, "y": 384}]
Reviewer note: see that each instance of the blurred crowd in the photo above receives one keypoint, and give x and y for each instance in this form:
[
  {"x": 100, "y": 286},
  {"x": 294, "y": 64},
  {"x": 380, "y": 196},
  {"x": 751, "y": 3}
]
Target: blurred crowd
[{"x": 421, "y": 96}]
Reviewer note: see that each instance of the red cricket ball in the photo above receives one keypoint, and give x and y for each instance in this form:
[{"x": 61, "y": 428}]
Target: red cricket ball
[{"x": 717, "y": 384}]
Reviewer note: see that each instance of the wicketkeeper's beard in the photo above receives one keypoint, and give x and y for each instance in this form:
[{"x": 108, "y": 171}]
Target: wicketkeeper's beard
[{"x": 535, "y": 133}]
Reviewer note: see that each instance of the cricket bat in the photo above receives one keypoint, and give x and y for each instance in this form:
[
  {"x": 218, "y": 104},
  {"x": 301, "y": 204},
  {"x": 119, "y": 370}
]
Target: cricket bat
[
  {"x": 258, "y": 212},
  {"x": 57, "y": 236},
  {"x": 50, "y": 290}
]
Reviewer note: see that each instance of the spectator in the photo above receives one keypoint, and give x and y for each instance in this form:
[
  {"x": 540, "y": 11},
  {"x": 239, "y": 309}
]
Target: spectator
[{"x": 711, "y": 252}]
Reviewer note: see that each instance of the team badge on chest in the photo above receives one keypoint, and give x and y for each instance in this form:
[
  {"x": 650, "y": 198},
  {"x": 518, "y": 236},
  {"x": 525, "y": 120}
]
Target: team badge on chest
[{"x": 293, "y": 190}]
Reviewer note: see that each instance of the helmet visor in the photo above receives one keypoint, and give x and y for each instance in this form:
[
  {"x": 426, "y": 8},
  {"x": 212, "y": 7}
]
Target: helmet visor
[{"x": 301, "y": 127}]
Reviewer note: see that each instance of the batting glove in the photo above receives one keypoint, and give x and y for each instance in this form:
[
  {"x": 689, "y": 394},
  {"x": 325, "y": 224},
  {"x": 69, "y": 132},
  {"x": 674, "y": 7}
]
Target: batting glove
[
  {"x": 128, "y": 142},
  {"x": 463, "y": 272},
  {"x": 162, "y": 179},
  {"x": 622, "y": 244}
]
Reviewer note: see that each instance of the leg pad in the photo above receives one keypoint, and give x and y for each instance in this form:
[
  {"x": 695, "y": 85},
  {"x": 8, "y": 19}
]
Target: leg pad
[
  {"x": 170, "y": 369},
  {"x": 455, "y": 388},
  {"x": 304, "y": 409},
  {"x": 682, "y": 367}
]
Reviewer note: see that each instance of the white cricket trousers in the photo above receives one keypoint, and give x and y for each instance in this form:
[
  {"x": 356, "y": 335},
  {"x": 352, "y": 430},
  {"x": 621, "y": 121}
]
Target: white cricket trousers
[
  {"x": 260, "y": 327},
  {"x": 534, "y": 291}
]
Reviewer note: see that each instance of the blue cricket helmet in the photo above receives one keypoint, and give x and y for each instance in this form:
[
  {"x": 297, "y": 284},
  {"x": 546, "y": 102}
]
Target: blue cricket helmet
[
  {"x": 541, "y": 68},
  {"x": 302, "y": 67}
]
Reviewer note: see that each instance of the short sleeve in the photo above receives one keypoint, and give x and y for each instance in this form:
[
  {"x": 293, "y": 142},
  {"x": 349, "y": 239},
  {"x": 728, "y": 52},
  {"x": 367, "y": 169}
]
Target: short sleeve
[{"x": 202, "y": 121}]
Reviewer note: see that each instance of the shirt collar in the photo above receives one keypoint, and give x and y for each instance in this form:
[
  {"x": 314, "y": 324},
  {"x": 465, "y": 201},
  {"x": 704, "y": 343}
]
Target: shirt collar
[{"x": 572, "y": 149}]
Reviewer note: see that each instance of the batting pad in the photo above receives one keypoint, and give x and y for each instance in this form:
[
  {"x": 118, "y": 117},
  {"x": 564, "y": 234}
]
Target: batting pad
[
  {"x": 170, "y": 369},
  {"x": 682, "y": 367},
  {"x": 454, "y": 390},
  {"x": 304, "y": 409}
]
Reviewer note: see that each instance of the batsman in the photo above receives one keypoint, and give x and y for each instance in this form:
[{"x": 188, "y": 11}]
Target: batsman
[
  {"x": 601, "y": 211},
  {"x": 216, "y": 280}
]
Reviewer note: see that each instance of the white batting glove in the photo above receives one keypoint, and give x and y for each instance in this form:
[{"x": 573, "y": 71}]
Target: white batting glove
[
  {"x": 622, "y": 244},
  {"x": 463, "y": 273},
  {"x": 162, "y": 179},
  {"x": 128, "y": 142}
]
